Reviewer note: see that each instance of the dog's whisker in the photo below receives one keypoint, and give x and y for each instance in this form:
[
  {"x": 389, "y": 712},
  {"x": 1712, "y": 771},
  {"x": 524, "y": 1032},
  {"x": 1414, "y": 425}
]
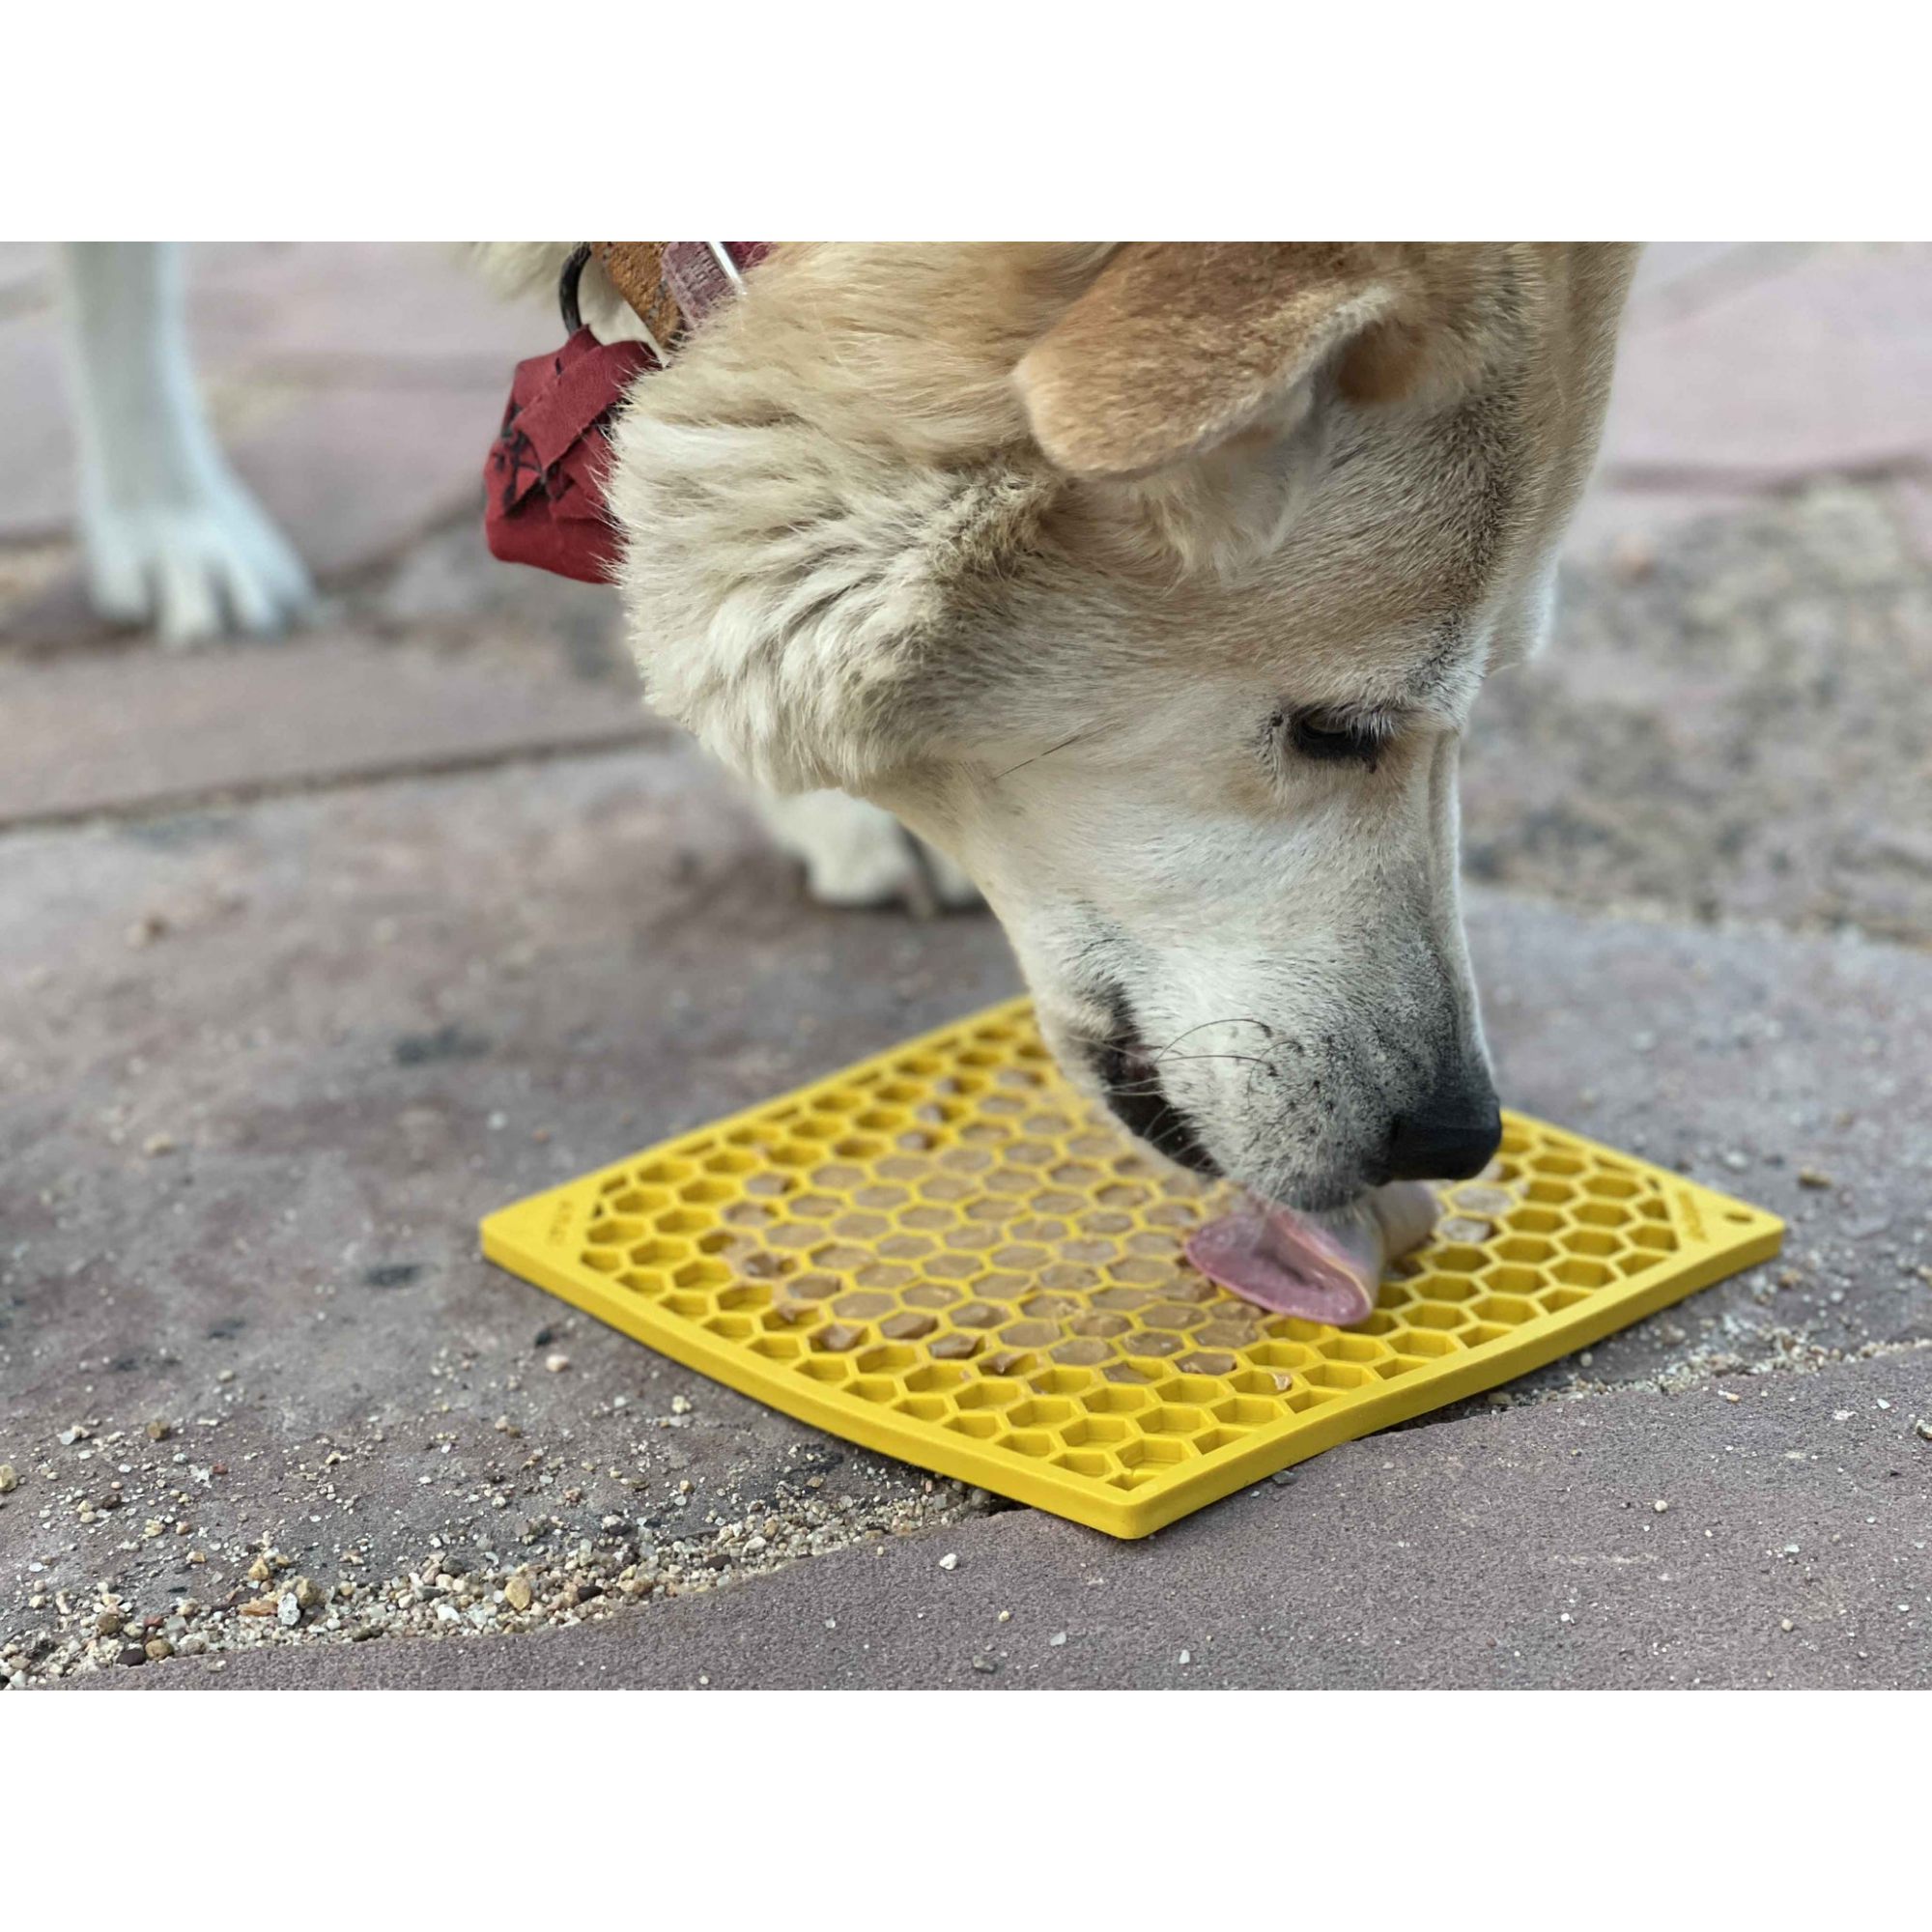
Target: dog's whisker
[
  {"x": 1038, "y": 755},
  {"x": 1249, "y": 1059},
  {"x": 1239, "y": 1020}
]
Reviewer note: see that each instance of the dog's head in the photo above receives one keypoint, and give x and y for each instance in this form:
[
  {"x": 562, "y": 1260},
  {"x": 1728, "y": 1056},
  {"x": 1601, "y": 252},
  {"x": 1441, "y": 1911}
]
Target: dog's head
[{"x": 1154, "y": 585}]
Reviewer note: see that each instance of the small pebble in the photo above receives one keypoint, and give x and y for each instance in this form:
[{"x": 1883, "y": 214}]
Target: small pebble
[
  {"x": 516, "y": 1592},
  {"x": 556, "y": 1364},
  {"x": 1922, "y": 1427},
  {"x": 949, "y": 1561},
  {"x": 1814, "y": 1177},
  {"x": 10, "y": 1477},
  {"x": 1057, "y": 1640},
  {"x": 158, "y": 1647},
  {"x": 158, "y": 1144},
  {"x": 288, "y": 1612},
  {"x": 159, "y": 1430},
  {"x": 1660, "y": 1505},
  {"x": 984, "y": 1665}
]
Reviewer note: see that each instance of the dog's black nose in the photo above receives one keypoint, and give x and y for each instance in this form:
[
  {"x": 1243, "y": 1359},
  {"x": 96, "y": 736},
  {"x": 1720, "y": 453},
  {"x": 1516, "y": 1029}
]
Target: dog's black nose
[{"x": 1452, "y": 1136}]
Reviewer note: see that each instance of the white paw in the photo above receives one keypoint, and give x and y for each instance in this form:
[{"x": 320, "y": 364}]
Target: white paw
[
  {"x": 957, "y": 892},
  {"x": 194, "y": 568},
  {"x": 855, "y": 854}
]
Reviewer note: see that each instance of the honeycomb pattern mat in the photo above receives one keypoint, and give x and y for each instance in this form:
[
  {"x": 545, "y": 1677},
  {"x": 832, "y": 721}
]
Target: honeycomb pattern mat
[{"x": 946, "y": 1255}]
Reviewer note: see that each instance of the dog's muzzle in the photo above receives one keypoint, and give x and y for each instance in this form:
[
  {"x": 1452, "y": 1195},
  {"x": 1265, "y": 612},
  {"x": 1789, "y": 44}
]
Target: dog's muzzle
[{"x": 1130, "y": 1083}]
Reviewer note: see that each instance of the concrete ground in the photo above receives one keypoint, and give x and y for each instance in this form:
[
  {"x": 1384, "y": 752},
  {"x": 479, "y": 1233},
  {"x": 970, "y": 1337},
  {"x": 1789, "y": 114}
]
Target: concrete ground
[{"x": 315, "y": 952}]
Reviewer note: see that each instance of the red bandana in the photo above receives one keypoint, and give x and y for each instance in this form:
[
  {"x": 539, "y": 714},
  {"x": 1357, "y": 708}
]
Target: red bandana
[{"x": 543, "y": 479}]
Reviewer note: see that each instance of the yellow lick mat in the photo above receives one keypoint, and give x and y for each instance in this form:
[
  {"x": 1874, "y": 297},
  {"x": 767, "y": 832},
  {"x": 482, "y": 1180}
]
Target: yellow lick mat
[{"x": 946, "y": 1255}]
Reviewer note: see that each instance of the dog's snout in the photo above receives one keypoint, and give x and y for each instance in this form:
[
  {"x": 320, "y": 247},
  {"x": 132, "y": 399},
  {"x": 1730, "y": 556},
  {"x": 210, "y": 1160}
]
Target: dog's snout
[
  {"x": 1452, "y": 1136},
  {"x": 1130, "y": 1084}
]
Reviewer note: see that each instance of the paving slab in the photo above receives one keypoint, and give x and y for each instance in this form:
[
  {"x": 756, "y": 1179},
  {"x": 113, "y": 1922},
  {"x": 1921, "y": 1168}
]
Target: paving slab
[
  {"x": 1636, "y": 1541},
  {"x": 1823, "y": 365},
  {"x": 136, "y": 730},
  {"x": 1786, "y": 1071},
  {"x": 449, "y": 659},
  {"x": 394, "y": 313},
  {"x": 262, "y": 1068},
  {"x": 1674, "y": 279},
  {"x": 1730, "y": 721},
  {"x": 1746, "y": 369}
]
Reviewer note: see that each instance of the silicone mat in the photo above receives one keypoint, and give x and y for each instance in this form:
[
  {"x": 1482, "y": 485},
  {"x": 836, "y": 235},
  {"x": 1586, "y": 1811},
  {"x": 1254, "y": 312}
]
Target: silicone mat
[{"x": 945, "y": 1254}]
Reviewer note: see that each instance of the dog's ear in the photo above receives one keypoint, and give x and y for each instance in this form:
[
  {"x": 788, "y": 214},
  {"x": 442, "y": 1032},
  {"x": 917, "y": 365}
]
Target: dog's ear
[
  {"x": 1194, "y": 385},
  {"x": 1178, "y": 347}
]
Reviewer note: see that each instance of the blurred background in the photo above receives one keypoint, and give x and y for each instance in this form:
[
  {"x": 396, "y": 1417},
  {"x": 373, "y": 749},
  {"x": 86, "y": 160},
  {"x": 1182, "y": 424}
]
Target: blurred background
[{"x": 314, "y": 949}]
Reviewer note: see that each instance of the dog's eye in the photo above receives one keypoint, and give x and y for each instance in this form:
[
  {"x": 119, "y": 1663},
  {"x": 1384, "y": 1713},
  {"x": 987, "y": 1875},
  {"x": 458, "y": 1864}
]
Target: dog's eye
[{"x": 1321, "y": 735}]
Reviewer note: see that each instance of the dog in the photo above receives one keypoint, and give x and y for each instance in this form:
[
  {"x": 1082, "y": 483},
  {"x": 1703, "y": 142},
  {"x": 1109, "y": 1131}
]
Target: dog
[
  {"x": 170, "y": 536},
  {"x": 1151, "y": 584}
]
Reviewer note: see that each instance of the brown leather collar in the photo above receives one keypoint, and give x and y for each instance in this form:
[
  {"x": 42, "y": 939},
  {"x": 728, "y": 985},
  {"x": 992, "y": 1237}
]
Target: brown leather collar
[{"x": 670, "y": 286}]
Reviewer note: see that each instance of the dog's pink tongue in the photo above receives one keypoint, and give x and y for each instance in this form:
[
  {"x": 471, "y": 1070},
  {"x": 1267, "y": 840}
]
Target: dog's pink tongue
[{"x": 1324, "y": 1268}]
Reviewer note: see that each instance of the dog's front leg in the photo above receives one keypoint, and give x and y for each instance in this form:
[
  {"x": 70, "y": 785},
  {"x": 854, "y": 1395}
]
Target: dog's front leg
[
  {"x": 170, "y": 533},
  {"x": 857, "y": 854}
]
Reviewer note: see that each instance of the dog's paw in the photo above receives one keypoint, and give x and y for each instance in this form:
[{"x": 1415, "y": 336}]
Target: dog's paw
[
  {"x": 204, "y": 566},
  {"x": 952, "y": 888},
  {"x": 855, "y": 854}
]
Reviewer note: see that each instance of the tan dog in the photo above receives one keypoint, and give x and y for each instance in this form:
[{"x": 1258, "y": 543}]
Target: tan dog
[{"x": 1153, "y": 584}]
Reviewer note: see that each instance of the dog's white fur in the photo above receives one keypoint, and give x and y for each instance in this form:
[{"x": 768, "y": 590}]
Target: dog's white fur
[
  {"x": 171, "y": 536},
  {"x": 913, "y": 523}
]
